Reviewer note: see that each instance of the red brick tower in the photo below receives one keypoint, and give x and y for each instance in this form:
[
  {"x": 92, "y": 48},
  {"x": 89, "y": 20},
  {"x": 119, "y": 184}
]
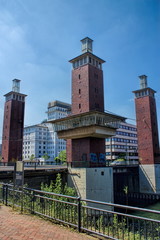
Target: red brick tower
[
  {"x": 87, "y": 81},
  {"x": 147, "y": 131},
  {"x": 13, "y": 123},
  {"x": 87, "y": 95},
  {"x": 88, "y": 125}
]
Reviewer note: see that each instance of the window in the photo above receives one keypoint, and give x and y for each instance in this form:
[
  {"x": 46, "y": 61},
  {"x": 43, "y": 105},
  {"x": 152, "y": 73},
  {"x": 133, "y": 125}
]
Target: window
[
  {"x": 79, "y": 76},
  {"x": 90, "y": 60},
  {"x": 79, "y": 106},
  {"x": 96, "y": 90},
  {"x": 79, "y": 91},
  {"x": 81, "y": 61},
  {"x": 85, "y": 60}
]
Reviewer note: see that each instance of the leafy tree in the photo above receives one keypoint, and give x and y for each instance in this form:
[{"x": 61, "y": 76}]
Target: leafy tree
[
  {"x": 62, "y": 156},
  {"x": 58, "y": 187},
  {"x": 45, "y": 156},
  {"x": 57, "y": 160},
  {"x": 32, "y": 157}
]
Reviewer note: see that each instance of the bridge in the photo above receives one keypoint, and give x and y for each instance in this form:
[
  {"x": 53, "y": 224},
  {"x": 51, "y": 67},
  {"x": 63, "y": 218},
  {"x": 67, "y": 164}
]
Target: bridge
[{"x": 35, "y": 175}]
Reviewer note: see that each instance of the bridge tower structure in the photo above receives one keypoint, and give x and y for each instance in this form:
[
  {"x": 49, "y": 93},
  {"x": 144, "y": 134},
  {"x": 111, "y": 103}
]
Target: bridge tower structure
[
  {"x": 13, "y": 123},
  {"x": 87, "y": 127},
  {"x": 148, "y": 141}
]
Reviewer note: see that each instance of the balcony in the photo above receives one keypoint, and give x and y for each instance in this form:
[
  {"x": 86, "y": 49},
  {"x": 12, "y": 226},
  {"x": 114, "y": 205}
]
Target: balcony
[{"x": 89, "y": 124}]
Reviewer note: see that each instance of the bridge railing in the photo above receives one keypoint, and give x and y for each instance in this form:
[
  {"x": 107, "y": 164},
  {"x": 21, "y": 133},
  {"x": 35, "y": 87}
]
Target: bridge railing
[{"x": 95, "y": 217}]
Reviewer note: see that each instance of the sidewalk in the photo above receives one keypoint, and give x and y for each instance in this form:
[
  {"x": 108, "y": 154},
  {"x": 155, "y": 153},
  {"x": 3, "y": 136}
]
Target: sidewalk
[{"x": 16, "y": 226}]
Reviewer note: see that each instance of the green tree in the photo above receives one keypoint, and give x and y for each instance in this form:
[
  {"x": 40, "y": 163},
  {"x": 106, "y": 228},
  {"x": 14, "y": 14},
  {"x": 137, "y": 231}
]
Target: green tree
[
  {"x": 62, "y": 156},
  {"x": 45, "y": 156},
  {"x": 58, "y": 187},
  {"x": 32, "y": 157},
  {"x": 57, "y": 160}
]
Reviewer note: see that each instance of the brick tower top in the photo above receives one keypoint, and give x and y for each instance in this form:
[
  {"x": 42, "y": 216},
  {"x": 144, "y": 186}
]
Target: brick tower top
[
  {"x": 143, "y": 81},
  {"x": 15, "y": 93},
  {"x": 144, "y": 89},
  {"x": 87, "y": 57},
  {"x": 86, "y": 45},
  {"x": 16, "y": 85}
]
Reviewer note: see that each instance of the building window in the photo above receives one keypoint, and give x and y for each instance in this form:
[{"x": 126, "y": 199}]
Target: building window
[
  {"x": 96, "y": 90},
  {"x": 85, "y": 60},
  {"x": 81, "y": 61},
  {"x": 79, "y": 106},
  {"x": 79, "y": 91}
]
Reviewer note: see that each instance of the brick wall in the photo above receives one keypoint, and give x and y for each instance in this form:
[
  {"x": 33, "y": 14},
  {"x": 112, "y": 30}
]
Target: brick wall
[
  {"x": 78, "y": 150},
  {"x": 87, "y": 89}
]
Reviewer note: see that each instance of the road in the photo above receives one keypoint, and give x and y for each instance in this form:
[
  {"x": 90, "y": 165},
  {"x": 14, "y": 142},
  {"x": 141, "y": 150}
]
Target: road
[{"x": 46, "y": 167}]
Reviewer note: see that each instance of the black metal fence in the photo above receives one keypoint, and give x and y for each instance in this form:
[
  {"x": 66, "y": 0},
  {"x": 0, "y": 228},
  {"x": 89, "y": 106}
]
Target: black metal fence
[{"x": 86, "y": 215}]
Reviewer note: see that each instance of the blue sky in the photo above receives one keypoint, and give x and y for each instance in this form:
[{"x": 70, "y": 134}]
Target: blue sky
[{"x": 37, "y": 38}]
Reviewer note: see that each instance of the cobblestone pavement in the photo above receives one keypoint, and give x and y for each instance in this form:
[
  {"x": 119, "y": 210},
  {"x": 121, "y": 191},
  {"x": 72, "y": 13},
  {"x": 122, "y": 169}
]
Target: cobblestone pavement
[{"x": 16, "y": 226}]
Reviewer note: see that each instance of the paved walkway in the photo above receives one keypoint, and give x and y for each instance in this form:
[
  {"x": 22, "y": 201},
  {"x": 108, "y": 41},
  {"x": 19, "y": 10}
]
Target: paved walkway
[{"x": 16, "y": 226}]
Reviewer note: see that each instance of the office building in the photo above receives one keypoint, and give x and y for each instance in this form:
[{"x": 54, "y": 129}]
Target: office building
[
  {"x": 41, "y": 139},
  {"x": 123, "y": 144}
]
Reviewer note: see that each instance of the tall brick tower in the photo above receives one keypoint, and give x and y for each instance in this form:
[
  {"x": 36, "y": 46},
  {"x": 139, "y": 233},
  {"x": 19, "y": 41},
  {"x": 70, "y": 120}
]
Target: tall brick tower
[
  {"x": 148, "y": 142},
  {"x": 87, "y": 96},
  {"x": 87, "y": 127},
  {"x": 13, "y": 123}
]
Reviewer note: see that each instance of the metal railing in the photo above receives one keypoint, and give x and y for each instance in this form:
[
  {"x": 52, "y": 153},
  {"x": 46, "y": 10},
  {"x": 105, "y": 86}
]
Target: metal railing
[{"x": 86, "y": 215}]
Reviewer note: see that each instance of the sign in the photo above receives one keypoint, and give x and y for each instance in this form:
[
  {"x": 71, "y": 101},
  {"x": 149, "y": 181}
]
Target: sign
[{"x": 19, "y": 174}]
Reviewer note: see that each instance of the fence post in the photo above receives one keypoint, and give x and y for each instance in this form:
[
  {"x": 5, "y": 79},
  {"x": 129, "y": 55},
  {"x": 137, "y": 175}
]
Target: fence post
[
  {"x": 22, "y": 199},
  {"x": 6, "y": 195},
  {"x": 33, "y": 199},
  {"x": 3, "y": 193},
  {"x": 79, "y": 213}
]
